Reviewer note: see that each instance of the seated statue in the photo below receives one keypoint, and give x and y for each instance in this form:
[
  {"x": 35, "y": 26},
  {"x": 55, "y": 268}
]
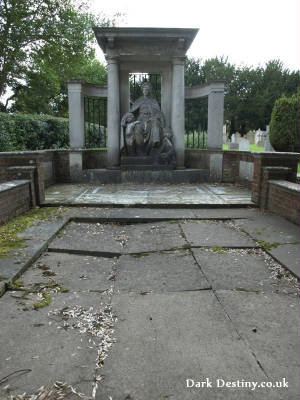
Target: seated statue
[{"x": 144, "y": 131}]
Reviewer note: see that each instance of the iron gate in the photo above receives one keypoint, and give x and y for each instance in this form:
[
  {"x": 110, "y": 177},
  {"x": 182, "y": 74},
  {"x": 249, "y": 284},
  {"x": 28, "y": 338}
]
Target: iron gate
[
  {"x": 95, "y": 122},
  {"x": 195, "y": 136}
]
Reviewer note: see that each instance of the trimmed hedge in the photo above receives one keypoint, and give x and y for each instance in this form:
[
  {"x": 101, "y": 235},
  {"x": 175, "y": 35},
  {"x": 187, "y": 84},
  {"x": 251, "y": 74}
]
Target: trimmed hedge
[
  {"x": 285, "y": 124},
  {"x": 20, "y": 132}
]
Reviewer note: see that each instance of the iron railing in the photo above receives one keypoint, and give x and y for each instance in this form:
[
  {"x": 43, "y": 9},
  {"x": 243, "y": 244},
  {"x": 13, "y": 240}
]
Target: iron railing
[{"x": 95, "y": 122}]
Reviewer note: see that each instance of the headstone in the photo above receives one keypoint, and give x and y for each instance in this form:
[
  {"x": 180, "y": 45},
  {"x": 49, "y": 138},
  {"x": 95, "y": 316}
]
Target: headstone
[
  {"x": 251, "y": 137},
  {"x": 233, "y": 140},
  {"x": 258, "y": 136},
  {"x": 237, "y": 137},
  {"x": 244, "y": 144}
]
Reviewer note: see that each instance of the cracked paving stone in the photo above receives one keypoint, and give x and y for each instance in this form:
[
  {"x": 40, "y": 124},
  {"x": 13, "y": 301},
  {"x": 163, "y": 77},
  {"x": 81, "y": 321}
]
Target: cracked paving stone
[
  {"x": 275, "y": 340},
  {"x": 120, "y": 239},
  {"x": 160, "y": 272},
  {"x": 240, "y": 269},
  {"x": 163, "y": 339},
  {"x": 212, "y": 233}
]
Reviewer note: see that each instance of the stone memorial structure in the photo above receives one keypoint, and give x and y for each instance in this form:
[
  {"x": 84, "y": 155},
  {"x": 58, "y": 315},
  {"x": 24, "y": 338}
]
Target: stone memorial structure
[{"x": 148, "y": 133}]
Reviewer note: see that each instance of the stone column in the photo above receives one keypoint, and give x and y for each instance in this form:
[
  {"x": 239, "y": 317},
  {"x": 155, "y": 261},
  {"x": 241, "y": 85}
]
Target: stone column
[
  {"x": 113, "y": 113},
  {"x": 76, "y": 127},
  {"x": 215, "y": 117},
  {"x": 177, "y": 117}
]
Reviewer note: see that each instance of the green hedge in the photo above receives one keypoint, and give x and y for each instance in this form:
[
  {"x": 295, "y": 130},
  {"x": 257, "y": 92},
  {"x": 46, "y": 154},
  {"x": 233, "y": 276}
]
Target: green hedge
[
  {"x": 285, "y": 124},
  {"x": 33, "y": 132}
]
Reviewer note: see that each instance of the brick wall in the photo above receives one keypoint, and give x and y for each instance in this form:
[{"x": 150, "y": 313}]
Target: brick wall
[
  {"x": 283, "y": 199},
  {"x": 14, "y": 199},
  {"x": 26, "y": 158},
  {"x": 231, "y": 165},
  {"x": 61, "y": 159},
  {"x": 271, "y": 159}
]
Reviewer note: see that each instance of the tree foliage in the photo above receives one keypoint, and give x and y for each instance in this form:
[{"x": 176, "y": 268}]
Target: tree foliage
[
  {"x": 32, "y": 132},
  {"x": 42, "y": 44},
  {"x": 250, "y": 93},
  {"x": 285, "y": 124}
]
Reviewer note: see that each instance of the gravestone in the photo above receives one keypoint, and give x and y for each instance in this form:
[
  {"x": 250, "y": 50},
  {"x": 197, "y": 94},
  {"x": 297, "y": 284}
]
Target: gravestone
[
  {"x": 244, "y": 144},
  {"x": 237, "y": 137},
  {"x": 251, "y": 137},
  {"x": 233, "y": 146}
]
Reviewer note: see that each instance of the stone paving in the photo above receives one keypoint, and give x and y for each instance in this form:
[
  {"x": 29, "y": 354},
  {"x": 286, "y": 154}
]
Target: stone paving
[
  {"x": 190, "y": 294},
  {"x": 150, "y": 194}
]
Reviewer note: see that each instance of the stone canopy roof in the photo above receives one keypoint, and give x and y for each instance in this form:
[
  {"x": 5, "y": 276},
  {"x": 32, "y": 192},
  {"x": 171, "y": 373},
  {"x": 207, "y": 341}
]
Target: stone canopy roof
[{"x": 129, "y": 43}]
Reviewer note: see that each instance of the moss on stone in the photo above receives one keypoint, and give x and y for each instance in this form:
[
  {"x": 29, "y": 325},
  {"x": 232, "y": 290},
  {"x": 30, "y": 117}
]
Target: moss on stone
[
  {"x": 9, "y": 232},
  {"x": 16, "y": 285},
  {"x": 44, "y": 302},
  {"x": 140, "y": 255},
  {"x": 218, "y": 249},
  {"x": 267, "y": 245}
]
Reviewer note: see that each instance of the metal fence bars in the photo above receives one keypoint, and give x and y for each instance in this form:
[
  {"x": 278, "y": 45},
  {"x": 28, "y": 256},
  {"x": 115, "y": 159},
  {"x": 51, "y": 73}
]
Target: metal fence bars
[
  {"x": 195, "y": 136},
  {"x": 95, "y": 122},
  {"x": 136, "y": 80}
]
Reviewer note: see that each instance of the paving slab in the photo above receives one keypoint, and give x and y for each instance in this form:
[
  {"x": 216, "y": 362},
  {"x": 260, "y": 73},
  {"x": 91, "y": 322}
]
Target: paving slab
[
  {"x": 160, "y": 272},
  {"x": 288, "y": 255},
  {"x": 275, "y": 341},
  {"x": 75, "y": 272},
  {"x": 270, "y": 228},
  {"x": 215, "y": 233},
  {"x": 164, "y": 339},
  {"x": 37, "y": 343},
  {"x": 240, "y": 270},
  {"x": 119, "y": 239}
]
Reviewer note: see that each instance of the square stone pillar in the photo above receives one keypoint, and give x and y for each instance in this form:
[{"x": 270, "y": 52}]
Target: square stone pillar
[
  {"x": 76, "y": 127},
  {"x": 113, "y": 113},
  {"x": 215, "y": 118},
  {"x": 177, "y": 114}
]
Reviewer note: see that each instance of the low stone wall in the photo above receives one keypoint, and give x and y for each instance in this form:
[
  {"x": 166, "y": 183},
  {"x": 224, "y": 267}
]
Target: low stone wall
[
  {"x": 261, "y": 175},
  {"x": 15, "y": 199},
  {"x": 94, "y": 159},
  {"x": 61, "y": 160},
  {"x": 41, "y": 161},
  {"x": 283, "y": 199}
]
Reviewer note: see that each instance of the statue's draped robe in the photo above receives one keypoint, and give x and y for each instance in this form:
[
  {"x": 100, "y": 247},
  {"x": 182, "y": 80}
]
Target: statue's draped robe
[{"x": 152, "y": 120}]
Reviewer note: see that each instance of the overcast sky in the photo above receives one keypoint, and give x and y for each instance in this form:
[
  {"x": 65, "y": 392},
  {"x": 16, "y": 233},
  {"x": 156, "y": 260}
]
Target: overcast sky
[{"x": 249, "y": 32}]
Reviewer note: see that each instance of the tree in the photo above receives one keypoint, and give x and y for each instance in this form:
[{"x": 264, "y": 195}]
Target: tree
[
  {"x": 41, "y": 40},
  {"x": 250, "y": 93},
  {"x": 285, "y": 123}
]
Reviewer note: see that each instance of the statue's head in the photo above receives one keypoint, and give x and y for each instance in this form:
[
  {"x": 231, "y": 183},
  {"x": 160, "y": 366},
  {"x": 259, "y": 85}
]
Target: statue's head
[{"x": 146, "y": 88}]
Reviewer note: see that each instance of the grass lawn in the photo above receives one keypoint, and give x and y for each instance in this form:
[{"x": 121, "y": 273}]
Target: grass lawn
[{"x": 253, "y": 147}]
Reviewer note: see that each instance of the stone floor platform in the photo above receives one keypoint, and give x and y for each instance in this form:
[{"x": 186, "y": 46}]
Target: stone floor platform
[{"x": 154, "y": 195}]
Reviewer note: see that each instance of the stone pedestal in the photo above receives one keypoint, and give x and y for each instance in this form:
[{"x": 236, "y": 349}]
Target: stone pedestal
[
  {"x": 215, "y": 119},
  {"x": 113, "y": 113},
  {"x": 178, "y": 110},
  {"x": 76, "y": 127}
]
